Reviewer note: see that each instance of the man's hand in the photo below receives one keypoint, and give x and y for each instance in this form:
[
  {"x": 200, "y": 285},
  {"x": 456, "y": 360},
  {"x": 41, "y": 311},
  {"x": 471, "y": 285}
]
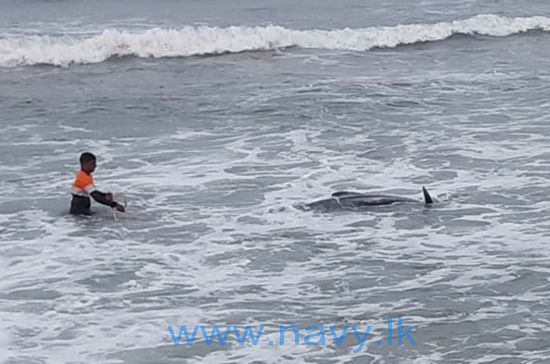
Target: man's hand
[{"x": 120, "y": 208}]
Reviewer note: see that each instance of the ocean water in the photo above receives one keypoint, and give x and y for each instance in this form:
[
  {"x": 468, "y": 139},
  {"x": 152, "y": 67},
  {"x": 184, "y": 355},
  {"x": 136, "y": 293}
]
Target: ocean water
[{"x": 216, "y": 119}]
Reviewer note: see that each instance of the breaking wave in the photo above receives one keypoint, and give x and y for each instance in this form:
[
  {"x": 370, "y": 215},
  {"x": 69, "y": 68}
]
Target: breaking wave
[{"x": 203, "y": 40}]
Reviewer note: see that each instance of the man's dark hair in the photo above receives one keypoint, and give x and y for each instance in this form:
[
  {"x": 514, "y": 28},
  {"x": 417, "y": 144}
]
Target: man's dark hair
[{"x": 86, "y": 157}]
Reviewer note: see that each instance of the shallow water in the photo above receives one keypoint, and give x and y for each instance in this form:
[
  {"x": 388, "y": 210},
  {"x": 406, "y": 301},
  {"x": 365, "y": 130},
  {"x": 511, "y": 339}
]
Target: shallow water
[{"x": 213, "y": 153}]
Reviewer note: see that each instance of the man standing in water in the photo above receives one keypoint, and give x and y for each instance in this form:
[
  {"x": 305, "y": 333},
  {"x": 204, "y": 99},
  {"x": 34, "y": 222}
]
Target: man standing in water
[{"x": 83, "y": 187}]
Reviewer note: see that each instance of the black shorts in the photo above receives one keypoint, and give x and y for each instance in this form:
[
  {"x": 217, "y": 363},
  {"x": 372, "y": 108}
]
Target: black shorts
[{"x": 80, "y": 205}]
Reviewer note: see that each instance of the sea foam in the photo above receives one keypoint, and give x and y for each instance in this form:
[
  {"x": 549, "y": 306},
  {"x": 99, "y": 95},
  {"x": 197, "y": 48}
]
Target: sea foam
[{"x": 204, "y": 40}]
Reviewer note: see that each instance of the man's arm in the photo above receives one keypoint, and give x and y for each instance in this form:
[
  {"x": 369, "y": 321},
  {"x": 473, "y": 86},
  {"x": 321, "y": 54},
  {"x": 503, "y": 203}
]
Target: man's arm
[
  {"x": 107, "y": 199},
  {"x": 103, "y": 198}
]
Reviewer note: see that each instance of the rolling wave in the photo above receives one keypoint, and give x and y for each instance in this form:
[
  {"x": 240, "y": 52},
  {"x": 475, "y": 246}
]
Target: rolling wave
[{"x": 203, "y": 40}]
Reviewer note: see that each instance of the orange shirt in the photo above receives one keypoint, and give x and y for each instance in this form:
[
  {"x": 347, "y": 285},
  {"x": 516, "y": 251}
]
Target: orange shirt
[{"x": 83, "y": 184}]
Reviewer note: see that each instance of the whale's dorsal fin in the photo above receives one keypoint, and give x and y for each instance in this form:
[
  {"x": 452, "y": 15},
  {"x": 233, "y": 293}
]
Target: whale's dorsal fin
[
  {"x": 428, "y": 200},
  {"x": 345, "y": 193}
]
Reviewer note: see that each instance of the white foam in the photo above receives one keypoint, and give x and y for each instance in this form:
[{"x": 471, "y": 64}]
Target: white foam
[{"x": 204, "y": 40}]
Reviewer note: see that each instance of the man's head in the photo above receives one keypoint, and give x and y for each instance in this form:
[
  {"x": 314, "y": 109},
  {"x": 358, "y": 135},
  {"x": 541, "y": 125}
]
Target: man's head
[{"x": 87, "y": 162}]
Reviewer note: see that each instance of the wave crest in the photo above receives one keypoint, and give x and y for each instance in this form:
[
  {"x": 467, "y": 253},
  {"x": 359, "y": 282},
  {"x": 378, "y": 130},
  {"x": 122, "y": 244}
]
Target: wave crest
[{"x": 190, "y": 41}]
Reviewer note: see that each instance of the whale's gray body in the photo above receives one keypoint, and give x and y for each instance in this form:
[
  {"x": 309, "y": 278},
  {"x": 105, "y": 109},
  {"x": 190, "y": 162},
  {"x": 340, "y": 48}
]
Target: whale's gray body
[{"x": 355, "y": 200}]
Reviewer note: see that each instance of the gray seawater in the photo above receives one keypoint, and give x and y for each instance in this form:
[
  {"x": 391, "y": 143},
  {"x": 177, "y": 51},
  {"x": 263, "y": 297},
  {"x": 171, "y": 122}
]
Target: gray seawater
[{"x": 213, "y": 153}]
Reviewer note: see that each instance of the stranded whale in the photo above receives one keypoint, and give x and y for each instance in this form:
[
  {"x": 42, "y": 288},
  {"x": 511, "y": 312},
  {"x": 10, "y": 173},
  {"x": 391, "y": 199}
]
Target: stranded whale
[{"x": 355, "y": 200}]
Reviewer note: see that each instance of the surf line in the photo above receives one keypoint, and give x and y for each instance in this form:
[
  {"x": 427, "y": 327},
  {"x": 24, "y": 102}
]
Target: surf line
[{"x": 114, "y": 209}]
